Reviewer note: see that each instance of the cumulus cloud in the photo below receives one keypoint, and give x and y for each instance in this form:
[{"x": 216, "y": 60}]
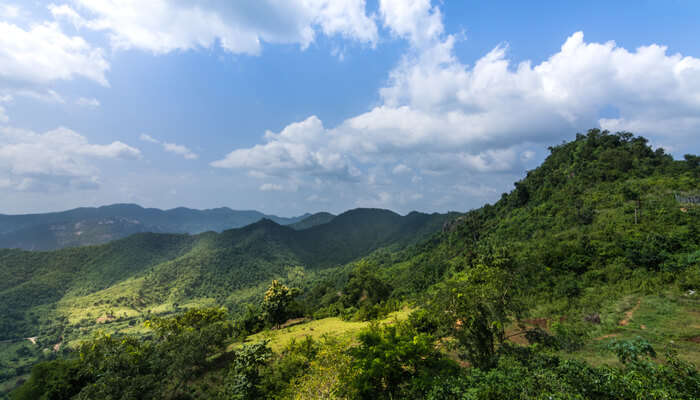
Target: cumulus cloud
[
  {"x": 60, "y": 157},
  {"x": 438, "y": 116},
  {"x": 416, "y": 20},
  {"x": 300, "y": 147},
  {"x": 162, "y": 26},
  {"x": 44, "y": 53}
]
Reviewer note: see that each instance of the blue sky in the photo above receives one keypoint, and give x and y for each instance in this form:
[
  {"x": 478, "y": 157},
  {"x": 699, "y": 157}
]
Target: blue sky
[{"x": 302, "y": 106}]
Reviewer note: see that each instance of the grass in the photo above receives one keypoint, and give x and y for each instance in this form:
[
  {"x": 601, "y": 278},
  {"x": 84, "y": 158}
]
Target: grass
[
  {"x": 333, "y": 326},
  {"x": 666, "y": 320}
]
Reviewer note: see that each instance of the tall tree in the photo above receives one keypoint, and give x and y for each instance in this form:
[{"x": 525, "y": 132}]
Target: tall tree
[
  {"x": 276, "y": 302},
  {"x": 475, "y": 307}
]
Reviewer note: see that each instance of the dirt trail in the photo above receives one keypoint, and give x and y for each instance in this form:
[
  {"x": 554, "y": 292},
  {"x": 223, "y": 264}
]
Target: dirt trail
[
  {"x": 630, "y": 313},
  {"x": 609, "y": 335}
]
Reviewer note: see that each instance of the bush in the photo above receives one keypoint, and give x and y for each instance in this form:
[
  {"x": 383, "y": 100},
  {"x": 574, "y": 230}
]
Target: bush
[{"x": 570, "y": 336}]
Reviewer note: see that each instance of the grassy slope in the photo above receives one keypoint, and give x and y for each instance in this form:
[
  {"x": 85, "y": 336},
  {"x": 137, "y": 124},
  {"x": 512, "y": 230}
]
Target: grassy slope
[{"x": 316, "y": 329}]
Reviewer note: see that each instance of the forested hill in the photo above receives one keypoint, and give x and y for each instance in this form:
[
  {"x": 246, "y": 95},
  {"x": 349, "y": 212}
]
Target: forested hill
[
  {"x": 97, "y": 225},
  {"x": 582, "y": 282},
  {"x": 598, "y": 220},
  {"x": 600, "y": 212},
  {"x": 176, "y": 268}
]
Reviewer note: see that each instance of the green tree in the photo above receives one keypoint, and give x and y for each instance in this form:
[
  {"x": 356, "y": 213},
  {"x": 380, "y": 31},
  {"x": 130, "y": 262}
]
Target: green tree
[
  {"x": 56, "y": 380},
  {"x": 185, "y": 342},
  {"x": 276, "y": 302},
  {"x": 475, "y": 307},
  {"x": 394, "y": 362},
  {"x": 243, "y": 379}
]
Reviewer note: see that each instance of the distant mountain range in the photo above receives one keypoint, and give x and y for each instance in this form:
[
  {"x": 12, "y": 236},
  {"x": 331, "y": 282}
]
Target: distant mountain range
[
  {"x": 97, "y": 225},
  {"x": 155, "y": 269}
]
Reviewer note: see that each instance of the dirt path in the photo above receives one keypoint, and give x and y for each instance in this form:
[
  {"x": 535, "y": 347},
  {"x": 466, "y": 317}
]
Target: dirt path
[
  {"x": 609, "y": 335},
  {"x": 630, "y": 313}
]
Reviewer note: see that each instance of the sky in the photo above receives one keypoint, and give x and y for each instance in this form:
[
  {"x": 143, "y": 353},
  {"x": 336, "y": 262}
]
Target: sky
[{"x": 293, "y": 106}]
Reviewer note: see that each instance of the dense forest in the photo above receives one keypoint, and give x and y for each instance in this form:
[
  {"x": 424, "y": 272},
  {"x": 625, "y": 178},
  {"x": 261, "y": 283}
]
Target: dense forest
[{"x": 580, "y": 283}]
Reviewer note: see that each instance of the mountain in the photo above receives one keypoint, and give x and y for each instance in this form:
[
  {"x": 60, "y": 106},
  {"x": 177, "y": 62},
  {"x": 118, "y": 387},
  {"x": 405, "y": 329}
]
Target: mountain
[
  {"x": 593, "y": 254},
  {"x": 601, "y": 211},
  {"x": 176, "y": 268},
  {"x": 312, "y": 220},
  {"x": 90, "y": 225}
]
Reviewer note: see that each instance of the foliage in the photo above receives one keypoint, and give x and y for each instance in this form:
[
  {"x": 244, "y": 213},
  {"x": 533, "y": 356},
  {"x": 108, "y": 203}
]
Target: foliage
[
  {"x": 630, "y": 351},
  {"x": 533, "y": 375},
  {"x": 243, "y": 377},
  {"x": 129, "y": 367},
  {"x": 53, "y": 380},
  {"x": 475, "y": 307},
  {"x": 325, "y": 375},
  {"x": 276, "y": 302},
  {"x": 394, "y": 362}
]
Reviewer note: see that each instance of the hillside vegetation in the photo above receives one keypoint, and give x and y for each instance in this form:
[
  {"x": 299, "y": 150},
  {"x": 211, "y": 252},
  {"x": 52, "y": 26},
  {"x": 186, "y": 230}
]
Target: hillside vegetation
[
  {"x": 581, "y": 283},
  {"x": 153, "y": 269}
]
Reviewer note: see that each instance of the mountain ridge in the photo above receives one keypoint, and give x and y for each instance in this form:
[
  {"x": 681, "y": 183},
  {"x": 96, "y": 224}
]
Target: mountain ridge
[{"x": 97, "y": 225}]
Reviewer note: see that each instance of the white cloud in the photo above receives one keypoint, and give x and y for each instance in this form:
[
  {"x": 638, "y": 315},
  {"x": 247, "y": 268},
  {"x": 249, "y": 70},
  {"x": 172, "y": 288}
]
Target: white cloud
[
  {"x": 88, "y": 102},
  {"x": 171, "y": 147},
  {"x": 440, "y": 117},
  {"x": 416, "y": 20},
  {"x": 163, "y": 26},
  {"x": 271, "y": 187},
  {"x": 61, "y": 157},
  {"x": 301, "y": 146},
  {"x": 43, "y": 53},
  {"x": 180, "y": 150},
  {"x": 148, "y": 138}
]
